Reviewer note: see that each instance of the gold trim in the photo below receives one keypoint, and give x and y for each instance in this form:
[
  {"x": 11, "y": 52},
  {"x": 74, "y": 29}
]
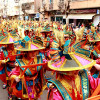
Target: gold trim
[
  {"x": 6, "y": 42},
  {"x": 93, "y": 62},
  {"x": 29, "y": 49},
  {"x": 76, "y": 60},
  {"x": 63, "y": 63},
  {"x": 3, "y": 39},
  {"x": 97, "y": 97},
  {"x": 1, "y": 42},
  {"x": 94, "y": 40},
  {"x": 69, "y": 87}
]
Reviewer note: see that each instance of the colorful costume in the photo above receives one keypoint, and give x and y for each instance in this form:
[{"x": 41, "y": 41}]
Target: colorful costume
[
  {"x": 69, "y": 85},
  {"x": 6, "y": 50},
  {"x": 29, "y": 72}
]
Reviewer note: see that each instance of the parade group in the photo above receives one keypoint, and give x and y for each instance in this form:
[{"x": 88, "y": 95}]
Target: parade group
[{"x": 30, "y": 49}]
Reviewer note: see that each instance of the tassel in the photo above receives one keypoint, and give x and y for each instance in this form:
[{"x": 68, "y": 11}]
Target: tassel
[
  {"x": 3, "y": 32},
  {"x": 16, "y": 30},
  {"x": 29, "y": 34},
  {"x": 73, "y": 92},
  {"x": 73, "y": 95},
  {"x": 78, "y": 96}
]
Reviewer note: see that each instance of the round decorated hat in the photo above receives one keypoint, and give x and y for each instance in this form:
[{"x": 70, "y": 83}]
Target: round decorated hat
[
  {"x": 77, "y": 62},
  {"x": 46, "y": 29},
  {"x": 6, "y": 39},
  {"x": 93, "y": 36},
  {"x": 93, "y": 29},
  {"x": 27, "y": 45}
]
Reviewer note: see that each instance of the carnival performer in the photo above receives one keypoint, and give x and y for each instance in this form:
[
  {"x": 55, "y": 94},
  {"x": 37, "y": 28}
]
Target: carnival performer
[
  {"x": 46, "y": 35},
  {"x": 6, "y": 51},
  {"x": 72, "y": 83},
  {"x": 27, "y": 84},
  {"x": 56, "y": 46}
]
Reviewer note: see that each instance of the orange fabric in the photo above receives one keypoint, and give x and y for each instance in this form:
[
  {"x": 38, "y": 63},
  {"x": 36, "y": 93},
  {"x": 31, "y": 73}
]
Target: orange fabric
[
  {"x": 3, "y": 78},
  {"x": 97, "y": 90},
  {"x": 17, "y": 93}
]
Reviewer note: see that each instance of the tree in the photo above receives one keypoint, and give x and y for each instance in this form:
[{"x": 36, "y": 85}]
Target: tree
[
  {"x": 44, "y": 10},
  {"x": 64, "y": 7},
  {"x": 25, "y": 6}
]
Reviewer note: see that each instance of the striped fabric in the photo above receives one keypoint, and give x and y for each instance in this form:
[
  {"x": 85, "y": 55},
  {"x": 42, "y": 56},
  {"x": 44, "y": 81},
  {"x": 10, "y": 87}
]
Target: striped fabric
[{"x": 29, "y": 70}]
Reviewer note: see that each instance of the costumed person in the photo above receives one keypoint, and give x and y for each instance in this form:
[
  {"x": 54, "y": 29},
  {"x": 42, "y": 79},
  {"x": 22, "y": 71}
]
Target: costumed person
[
  {"x": 98, "y": 27},
  {"x": 21, "y": 32},
  {"x": 56, "y": 46},
  {"x": 6, "y": 51},
  {"x": 94, "y": 40},
  {"x": 79, "y": 34},
  {"x": 83, "y": 45},
  {"x": 72, "y": 81},
  {"x": 46, "y": 34},
  {"x": 94, "y": 78},
  {"x": 67, "y": 33},
  {"x": 27, "y": 77},
  {"x": 92, "y": 33}
]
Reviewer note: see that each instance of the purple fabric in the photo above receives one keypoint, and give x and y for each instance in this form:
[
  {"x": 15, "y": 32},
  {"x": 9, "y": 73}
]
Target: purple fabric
[
  {"x": 94, "y": 82},
  {"x": 56, "y": 64},
  {"x": 29, "y": 92},
  {"x": 11, "y": 40},
  {"x": 33, "y": 47},
  {"x": 82, "y": 60}
]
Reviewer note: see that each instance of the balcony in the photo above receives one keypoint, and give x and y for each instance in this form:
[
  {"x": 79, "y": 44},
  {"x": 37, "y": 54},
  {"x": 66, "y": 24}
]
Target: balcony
[
  {"x": 26, "y": 6},
  {"x": 61, "y": 5},
  {"x": 26, "y": 1},
  {"x": 16, "y": 3},
  {"x": 51, "y": 6}
]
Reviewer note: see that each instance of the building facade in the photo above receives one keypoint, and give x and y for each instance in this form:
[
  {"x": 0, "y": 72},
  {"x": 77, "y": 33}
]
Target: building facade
[
  {"x": 80, "y": 11},
  {"x": 18, "y": 9},
  {"x": 64, "y": 11},
  {"x": 84, "y": 11}
]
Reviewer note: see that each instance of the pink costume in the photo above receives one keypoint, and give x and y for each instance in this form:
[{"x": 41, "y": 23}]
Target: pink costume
[{"x": 55, "y": 95}]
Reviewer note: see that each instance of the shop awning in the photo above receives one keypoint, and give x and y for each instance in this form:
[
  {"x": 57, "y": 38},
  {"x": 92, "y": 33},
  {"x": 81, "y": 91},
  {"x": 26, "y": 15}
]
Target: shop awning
[
  {"x": 30, "y": 12},
  {"x": 80, "y": 16}
]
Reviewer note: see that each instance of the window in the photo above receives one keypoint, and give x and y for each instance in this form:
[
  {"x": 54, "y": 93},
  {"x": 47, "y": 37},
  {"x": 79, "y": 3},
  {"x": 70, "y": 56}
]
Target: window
[
  {"x": 43, "y": 1},
  {"x": 77, "y": 0},
  {"x": 32, "y": 6},
  {"x": 61, "y": 0},
  {"x": 51, "y": 1},
  {"x": 16, "y": 1}
]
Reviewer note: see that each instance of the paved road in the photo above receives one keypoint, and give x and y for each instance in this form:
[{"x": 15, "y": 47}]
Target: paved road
[
  {"x": 4, "y": 94},
  {"x": 44, "y": 95}
]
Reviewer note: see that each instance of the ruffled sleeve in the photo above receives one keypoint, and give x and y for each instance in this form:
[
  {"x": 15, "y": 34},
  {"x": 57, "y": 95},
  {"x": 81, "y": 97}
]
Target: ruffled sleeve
[
  {"x": 55, "y": 95},
  {"x": 94, "y": 82}
]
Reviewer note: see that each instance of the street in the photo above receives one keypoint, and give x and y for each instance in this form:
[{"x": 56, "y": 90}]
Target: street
[{"x": 4, "y": 94}]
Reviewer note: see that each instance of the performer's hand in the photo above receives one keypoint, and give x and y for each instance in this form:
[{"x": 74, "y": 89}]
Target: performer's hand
[
  {"x": 97, "y": 66},
  {"x": 3, "y": 62},
  {"x": 17, "y": 79}
]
